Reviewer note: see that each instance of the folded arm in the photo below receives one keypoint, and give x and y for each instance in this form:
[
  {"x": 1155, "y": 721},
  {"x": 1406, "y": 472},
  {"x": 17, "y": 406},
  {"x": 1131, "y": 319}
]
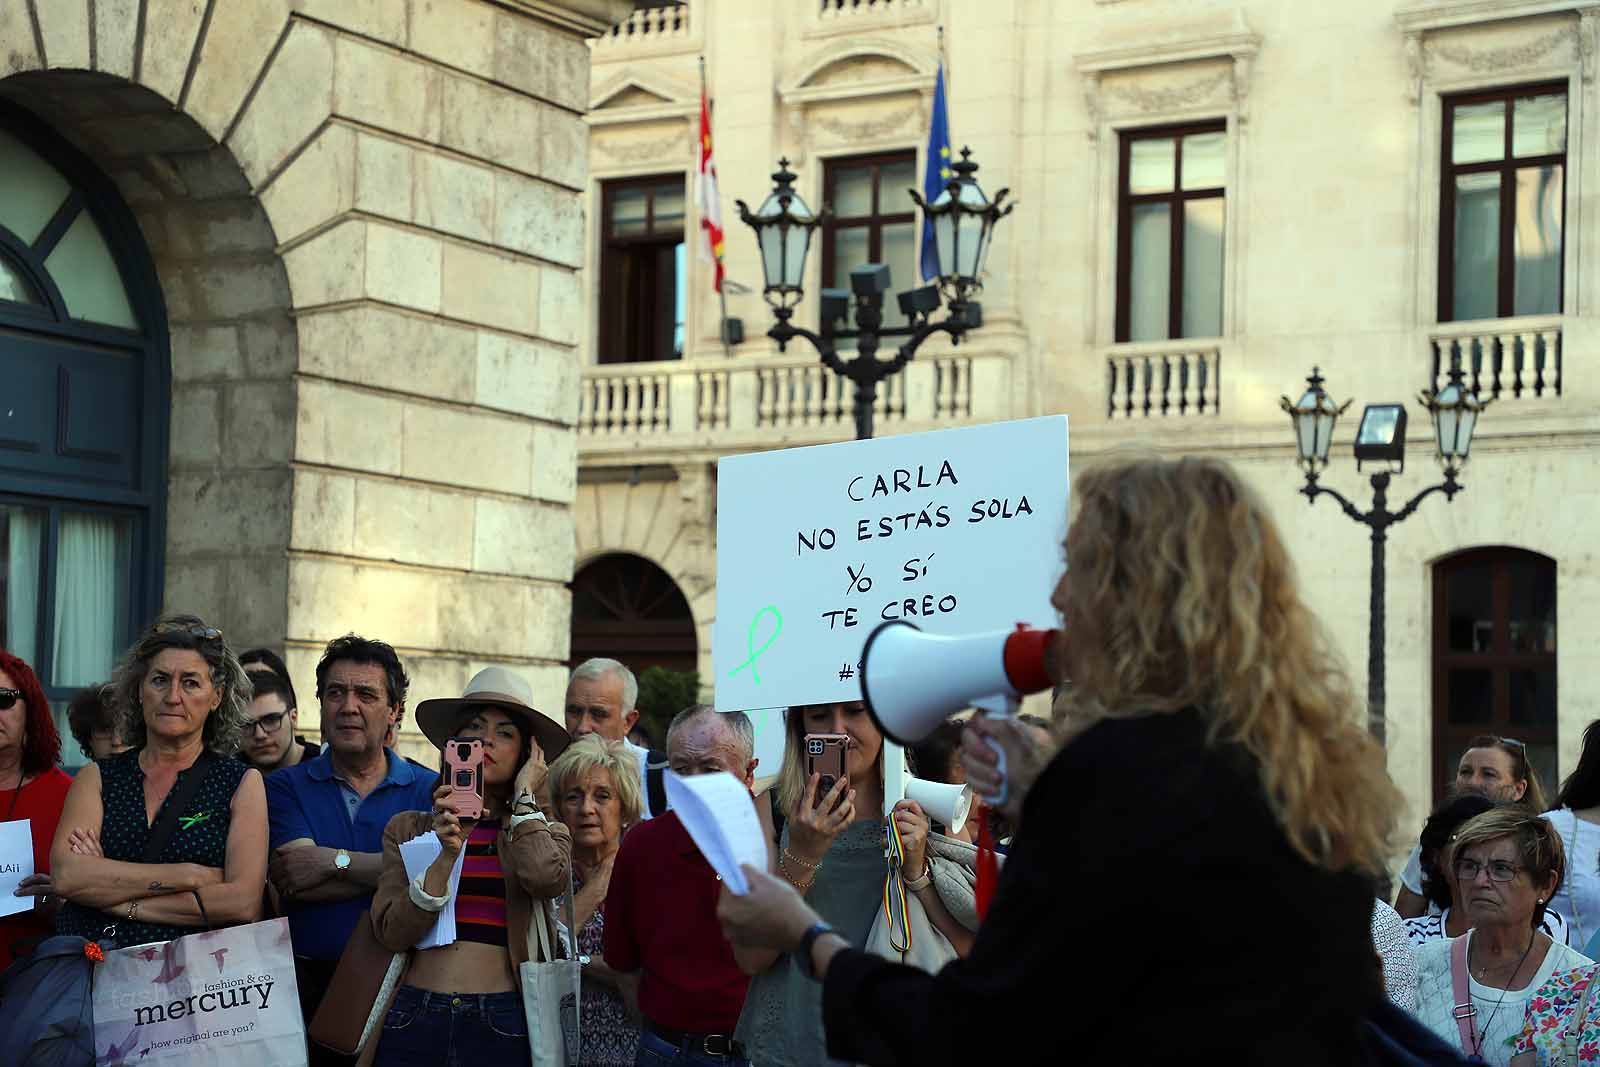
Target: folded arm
[{"x": 302, "y": 871}]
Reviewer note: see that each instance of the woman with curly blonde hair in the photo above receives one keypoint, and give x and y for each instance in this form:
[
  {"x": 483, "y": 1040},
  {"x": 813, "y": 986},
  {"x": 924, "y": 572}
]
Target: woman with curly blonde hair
[
  {"x": 181, "y": 695},
  {"x": 1209, "y": 746}
]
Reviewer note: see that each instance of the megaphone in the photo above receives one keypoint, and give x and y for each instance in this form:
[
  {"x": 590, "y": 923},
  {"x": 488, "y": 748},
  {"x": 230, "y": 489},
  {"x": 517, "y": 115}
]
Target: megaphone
[
  {"x": 912, "y": 681},
  {"x": 946, "y": 803}
]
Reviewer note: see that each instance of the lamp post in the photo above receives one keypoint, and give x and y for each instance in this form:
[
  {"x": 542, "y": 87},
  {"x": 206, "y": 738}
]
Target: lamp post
[
  {"x": 1454, "y": 411},
  {"x": 963, "y": 229}
]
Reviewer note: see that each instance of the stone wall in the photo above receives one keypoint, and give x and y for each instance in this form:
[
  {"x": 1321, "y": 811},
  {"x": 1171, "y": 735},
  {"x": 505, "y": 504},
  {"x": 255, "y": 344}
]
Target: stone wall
[{"x": 374, "y": 324}]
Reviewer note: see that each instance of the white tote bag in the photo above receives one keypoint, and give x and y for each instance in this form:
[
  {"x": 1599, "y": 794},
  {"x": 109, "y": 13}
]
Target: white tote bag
[
  {"x": 551, "y": 995},
  {"x": 219, "y": 997}
]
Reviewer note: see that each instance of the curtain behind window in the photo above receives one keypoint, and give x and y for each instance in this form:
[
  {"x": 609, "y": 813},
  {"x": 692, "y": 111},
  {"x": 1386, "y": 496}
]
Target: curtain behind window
[
  {"x": 25, "y": 540},
  {"x": 91, "y": 592}
]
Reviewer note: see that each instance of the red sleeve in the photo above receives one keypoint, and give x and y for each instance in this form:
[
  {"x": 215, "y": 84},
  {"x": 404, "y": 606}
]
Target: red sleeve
[
  {"x": 621, "y": 944},
  {"x": 44, "y": 798}
]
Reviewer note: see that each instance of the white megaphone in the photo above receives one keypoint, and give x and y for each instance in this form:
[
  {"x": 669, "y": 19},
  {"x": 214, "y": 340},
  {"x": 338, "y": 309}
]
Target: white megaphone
[
  {"x": 946, "y": 803},
  {"x": 912, "y": 681}
]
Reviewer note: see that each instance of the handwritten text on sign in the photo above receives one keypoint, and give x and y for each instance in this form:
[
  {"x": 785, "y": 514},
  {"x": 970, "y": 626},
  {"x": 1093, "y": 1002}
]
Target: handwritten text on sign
[{"x": 956, "y": 531}]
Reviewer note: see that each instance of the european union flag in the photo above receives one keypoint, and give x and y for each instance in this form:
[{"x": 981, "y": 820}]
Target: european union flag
[{"x": 937, "y": 173}]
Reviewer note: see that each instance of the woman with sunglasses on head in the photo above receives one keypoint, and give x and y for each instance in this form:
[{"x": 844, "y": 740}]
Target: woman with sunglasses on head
[
  {"x": 459, "y": 1003},
  {"x": 32, "y": 787},
  {"x": 171, "y": 835},
  {"x": 1506, "y": 863}
]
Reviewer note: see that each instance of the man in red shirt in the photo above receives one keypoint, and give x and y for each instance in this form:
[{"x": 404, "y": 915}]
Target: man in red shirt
[{"x": 661, "y": 911}]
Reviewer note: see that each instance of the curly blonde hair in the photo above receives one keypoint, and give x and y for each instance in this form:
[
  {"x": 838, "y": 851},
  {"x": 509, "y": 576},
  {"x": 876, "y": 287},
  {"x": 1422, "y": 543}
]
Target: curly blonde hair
[
  {"x": 224, "y": 727},
  {"x": 1180, "y": 594}
]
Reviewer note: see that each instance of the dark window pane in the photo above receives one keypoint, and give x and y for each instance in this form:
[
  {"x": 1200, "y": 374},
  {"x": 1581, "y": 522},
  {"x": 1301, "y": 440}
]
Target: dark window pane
[
  {"x": 1533, "y": 699},
  {"x": 629, "y": 211},
  {"x": 1479, "y": 133},
  {"x": 1539, "y": 125},
  {"x": 1469, "y": 606},
  {"x": 893, "y": 181},
  {"x": 1471, "y": 697},
  {"x": 851, "y": 194},
  {"x": 900, "y": 253},
  {"x": 1540, "y": 204},
  {"x": 1150, "y": 280},
  {"x": 1203, "y": 161},
  {"x": 850, "y": 249},
  {"x": 1477, "y": 250},
  {"x": 1532, "y": 622},
  {"x": 668, "y": 210},
  {"x": 679, "y": 299}
]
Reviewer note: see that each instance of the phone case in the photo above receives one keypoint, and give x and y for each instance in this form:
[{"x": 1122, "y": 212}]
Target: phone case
[
  {"x": 825, "y": 756},
  {"x": 463, "y": 764}
]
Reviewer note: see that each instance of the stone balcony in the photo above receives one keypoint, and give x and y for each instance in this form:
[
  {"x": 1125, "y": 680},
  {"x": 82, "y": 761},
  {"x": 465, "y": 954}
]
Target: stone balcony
[
  {"x": 664, "y": 29},
  {"x": 721, "y": 405}
]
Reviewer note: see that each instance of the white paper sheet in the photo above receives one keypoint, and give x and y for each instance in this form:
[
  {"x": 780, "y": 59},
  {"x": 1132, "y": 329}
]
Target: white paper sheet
[
  {"x": 419, "y": 854},
  {"x": 721, "y": 818},
  {"x": 16, "y": 863}
]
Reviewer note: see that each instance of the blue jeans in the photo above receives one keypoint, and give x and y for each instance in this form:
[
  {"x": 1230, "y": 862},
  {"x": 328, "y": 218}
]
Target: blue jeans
[
  {"x": 425, "y": 1029},
  {"x": 656, "y": 1051}
]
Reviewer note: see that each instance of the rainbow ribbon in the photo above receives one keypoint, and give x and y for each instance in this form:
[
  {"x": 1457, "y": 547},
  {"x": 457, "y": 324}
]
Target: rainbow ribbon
[{"x": 894, "y": 893}]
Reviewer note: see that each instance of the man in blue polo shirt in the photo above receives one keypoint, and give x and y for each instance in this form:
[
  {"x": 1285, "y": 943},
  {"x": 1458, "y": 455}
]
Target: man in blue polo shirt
[{"x": 328, "y": 814}]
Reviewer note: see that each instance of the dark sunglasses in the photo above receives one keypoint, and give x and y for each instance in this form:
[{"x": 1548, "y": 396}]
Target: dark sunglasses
[{"x": 9, "y": 698}]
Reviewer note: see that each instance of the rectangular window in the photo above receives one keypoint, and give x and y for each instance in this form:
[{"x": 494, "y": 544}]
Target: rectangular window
[
  {"x": 1502, "y": 205},
  {"x": 642, "y": 270},
  {"x": 1172, "y": 213},
  {"x": 873, "y": 221}
]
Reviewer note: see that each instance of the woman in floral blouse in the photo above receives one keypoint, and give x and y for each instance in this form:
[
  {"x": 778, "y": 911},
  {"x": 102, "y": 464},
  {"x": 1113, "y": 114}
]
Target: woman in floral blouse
[
  {"x": 1562, "y": 1025},
  {"x": 595, "y": 788}
]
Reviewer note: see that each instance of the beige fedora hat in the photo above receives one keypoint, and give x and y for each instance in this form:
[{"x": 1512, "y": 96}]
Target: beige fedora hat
[{"x": 498, "y": 687}]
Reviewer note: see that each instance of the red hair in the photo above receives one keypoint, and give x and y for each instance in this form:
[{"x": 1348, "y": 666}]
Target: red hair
[{"x": 41, "y": 744}]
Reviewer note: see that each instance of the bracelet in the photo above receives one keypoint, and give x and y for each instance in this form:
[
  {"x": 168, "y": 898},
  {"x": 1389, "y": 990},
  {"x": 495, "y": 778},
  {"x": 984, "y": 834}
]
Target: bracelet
[
  {"x": 801, "y": 862},
  {"x": 204, "y": 918},
  {"x": 790, "y": 874},
  {"x": 133, "y": 910},
  {"x": 917, "y": 885}
]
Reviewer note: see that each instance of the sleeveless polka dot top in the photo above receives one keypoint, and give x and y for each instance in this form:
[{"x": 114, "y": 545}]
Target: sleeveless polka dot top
[{"x": 200, "y": 837}]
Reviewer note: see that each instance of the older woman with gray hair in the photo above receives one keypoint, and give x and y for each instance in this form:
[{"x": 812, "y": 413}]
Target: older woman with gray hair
[
  {"x": 125, "y": 874},
  {"x": 595, "y": 788}
]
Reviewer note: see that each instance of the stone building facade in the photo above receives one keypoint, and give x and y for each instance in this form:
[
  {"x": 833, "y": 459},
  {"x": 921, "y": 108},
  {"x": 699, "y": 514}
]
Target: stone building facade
[
  {"x": 1324, "y": 225},
  {"x": 350, "y": 236}
]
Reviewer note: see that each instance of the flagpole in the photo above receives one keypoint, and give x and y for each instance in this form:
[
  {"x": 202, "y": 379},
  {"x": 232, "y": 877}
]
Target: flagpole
[{"x": 722, "y": 290}]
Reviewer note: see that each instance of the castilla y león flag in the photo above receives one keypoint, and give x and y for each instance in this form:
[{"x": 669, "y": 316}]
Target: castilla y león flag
[{"x": 710, "y": 204}]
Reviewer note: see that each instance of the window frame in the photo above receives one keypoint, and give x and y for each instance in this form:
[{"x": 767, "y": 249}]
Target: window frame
[
  {"x": 609, "y": 347},
  {"x": 1506, "y": 167},
  {"x": 1176, "y": 199},
  {"x": 1500, "y": 661},
  {"x": 873, "y": 223}
]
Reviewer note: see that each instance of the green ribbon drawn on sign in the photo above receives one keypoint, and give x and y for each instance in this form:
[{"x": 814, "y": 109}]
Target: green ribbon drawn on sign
[{"x": 750, "y": 641}]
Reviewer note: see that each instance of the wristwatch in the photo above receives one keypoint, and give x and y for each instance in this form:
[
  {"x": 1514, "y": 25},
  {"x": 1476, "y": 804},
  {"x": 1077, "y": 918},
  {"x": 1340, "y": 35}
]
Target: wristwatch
[
  {"x": 807, "y": 940},
  {"x": 341, "y": 861}
]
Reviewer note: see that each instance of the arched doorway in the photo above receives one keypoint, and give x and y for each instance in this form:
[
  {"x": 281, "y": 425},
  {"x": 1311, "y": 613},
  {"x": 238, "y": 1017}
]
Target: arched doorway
[
  {"x": 1494, "y": 656},
  {"x": 83, "y": 413},
  {"x": 628, "y": 609}
]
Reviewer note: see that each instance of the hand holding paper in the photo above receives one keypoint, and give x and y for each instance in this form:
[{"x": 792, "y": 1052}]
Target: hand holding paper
[
  {"x": 419, "y": 854},
  {"x": 720, "y": 816},
  {"x": 16, "y": 864}
]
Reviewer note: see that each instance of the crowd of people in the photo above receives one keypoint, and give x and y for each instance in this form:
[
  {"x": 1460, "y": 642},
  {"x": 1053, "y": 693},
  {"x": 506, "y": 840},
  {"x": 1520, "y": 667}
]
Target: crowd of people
[{"x": 1205, "y": 747}]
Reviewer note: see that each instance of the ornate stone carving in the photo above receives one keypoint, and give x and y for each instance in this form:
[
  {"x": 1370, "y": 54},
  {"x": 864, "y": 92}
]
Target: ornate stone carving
[
  {"x": 1501, "y": 58},
  {"x": 867, "y": 129},
  {"x": 1091, "y": 102},
  {"x": 1588, "y": 43},
  {"x": 669, "y": 148},
  {"x": 1173, "y": 97},
  {"x": 1416, "y": 67}
]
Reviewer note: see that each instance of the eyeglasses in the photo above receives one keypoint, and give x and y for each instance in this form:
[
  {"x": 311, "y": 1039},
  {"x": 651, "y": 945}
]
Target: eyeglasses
[
  {"x": 9, "y": 698},
  {"x": 193, "y": 629},
  {"x": 267, "y": 724},
  {"x": 1500, "y": 871}
]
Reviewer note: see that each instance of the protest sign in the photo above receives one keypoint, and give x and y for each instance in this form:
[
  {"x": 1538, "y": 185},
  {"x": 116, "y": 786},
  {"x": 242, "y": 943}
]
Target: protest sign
[
  {"x": 16, "y": 863},
  {"x": 208, "y": 998},
  {"x": 956, "y": 531}
]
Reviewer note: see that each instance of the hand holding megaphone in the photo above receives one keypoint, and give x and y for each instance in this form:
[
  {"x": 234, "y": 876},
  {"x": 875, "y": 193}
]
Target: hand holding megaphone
[{"x": 1003, "y": 757}]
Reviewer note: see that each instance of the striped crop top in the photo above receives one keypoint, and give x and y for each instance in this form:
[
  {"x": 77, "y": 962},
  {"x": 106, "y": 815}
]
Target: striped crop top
[{"x": 481, "y": 900}]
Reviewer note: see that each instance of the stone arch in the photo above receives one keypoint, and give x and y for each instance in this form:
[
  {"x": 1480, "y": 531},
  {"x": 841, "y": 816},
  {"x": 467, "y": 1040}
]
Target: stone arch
[
  {"x": 896, "y": 59},
  {"x": 629, "y": 608},
  {"x": 232, "y": 340}
]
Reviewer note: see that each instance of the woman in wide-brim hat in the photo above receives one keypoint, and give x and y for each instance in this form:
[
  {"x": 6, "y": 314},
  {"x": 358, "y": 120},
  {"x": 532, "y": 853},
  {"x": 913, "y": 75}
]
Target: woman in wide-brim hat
[{"x": 462, "y": 999}]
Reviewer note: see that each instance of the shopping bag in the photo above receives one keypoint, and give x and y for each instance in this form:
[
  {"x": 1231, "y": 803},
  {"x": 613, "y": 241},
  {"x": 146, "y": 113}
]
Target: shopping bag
[
  {"x": 218, "y": 997},
  {"x": 551, "y": 995}
]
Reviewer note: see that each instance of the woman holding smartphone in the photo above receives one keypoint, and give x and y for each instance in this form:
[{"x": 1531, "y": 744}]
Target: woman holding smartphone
[
  {"x": 460, "y": 1002},
  {"x": 831, "y": 851}
]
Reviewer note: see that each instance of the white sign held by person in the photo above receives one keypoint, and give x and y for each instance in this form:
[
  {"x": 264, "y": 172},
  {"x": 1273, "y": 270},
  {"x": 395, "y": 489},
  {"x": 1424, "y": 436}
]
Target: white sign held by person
[{"x": 955, "y": 531}]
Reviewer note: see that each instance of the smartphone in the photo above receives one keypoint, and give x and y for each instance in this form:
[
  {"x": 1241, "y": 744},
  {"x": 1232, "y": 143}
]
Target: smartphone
[
  {"x": 463, "y": 768},
  {"x": 825, "y": 756}
]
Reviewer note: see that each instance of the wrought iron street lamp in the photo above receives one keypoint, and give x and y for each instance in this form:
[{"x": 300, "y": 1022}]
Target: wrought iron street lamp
[
  {"x": 963, "y": 221},
  {"x": 1454, "y": 411}
]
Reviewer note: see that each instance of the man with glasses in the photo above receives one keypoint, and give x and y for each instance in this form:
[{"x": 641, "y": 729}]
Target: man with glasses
[
  {"x": 270, "y": 743},
  {"x": 328, "y": 813}
]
